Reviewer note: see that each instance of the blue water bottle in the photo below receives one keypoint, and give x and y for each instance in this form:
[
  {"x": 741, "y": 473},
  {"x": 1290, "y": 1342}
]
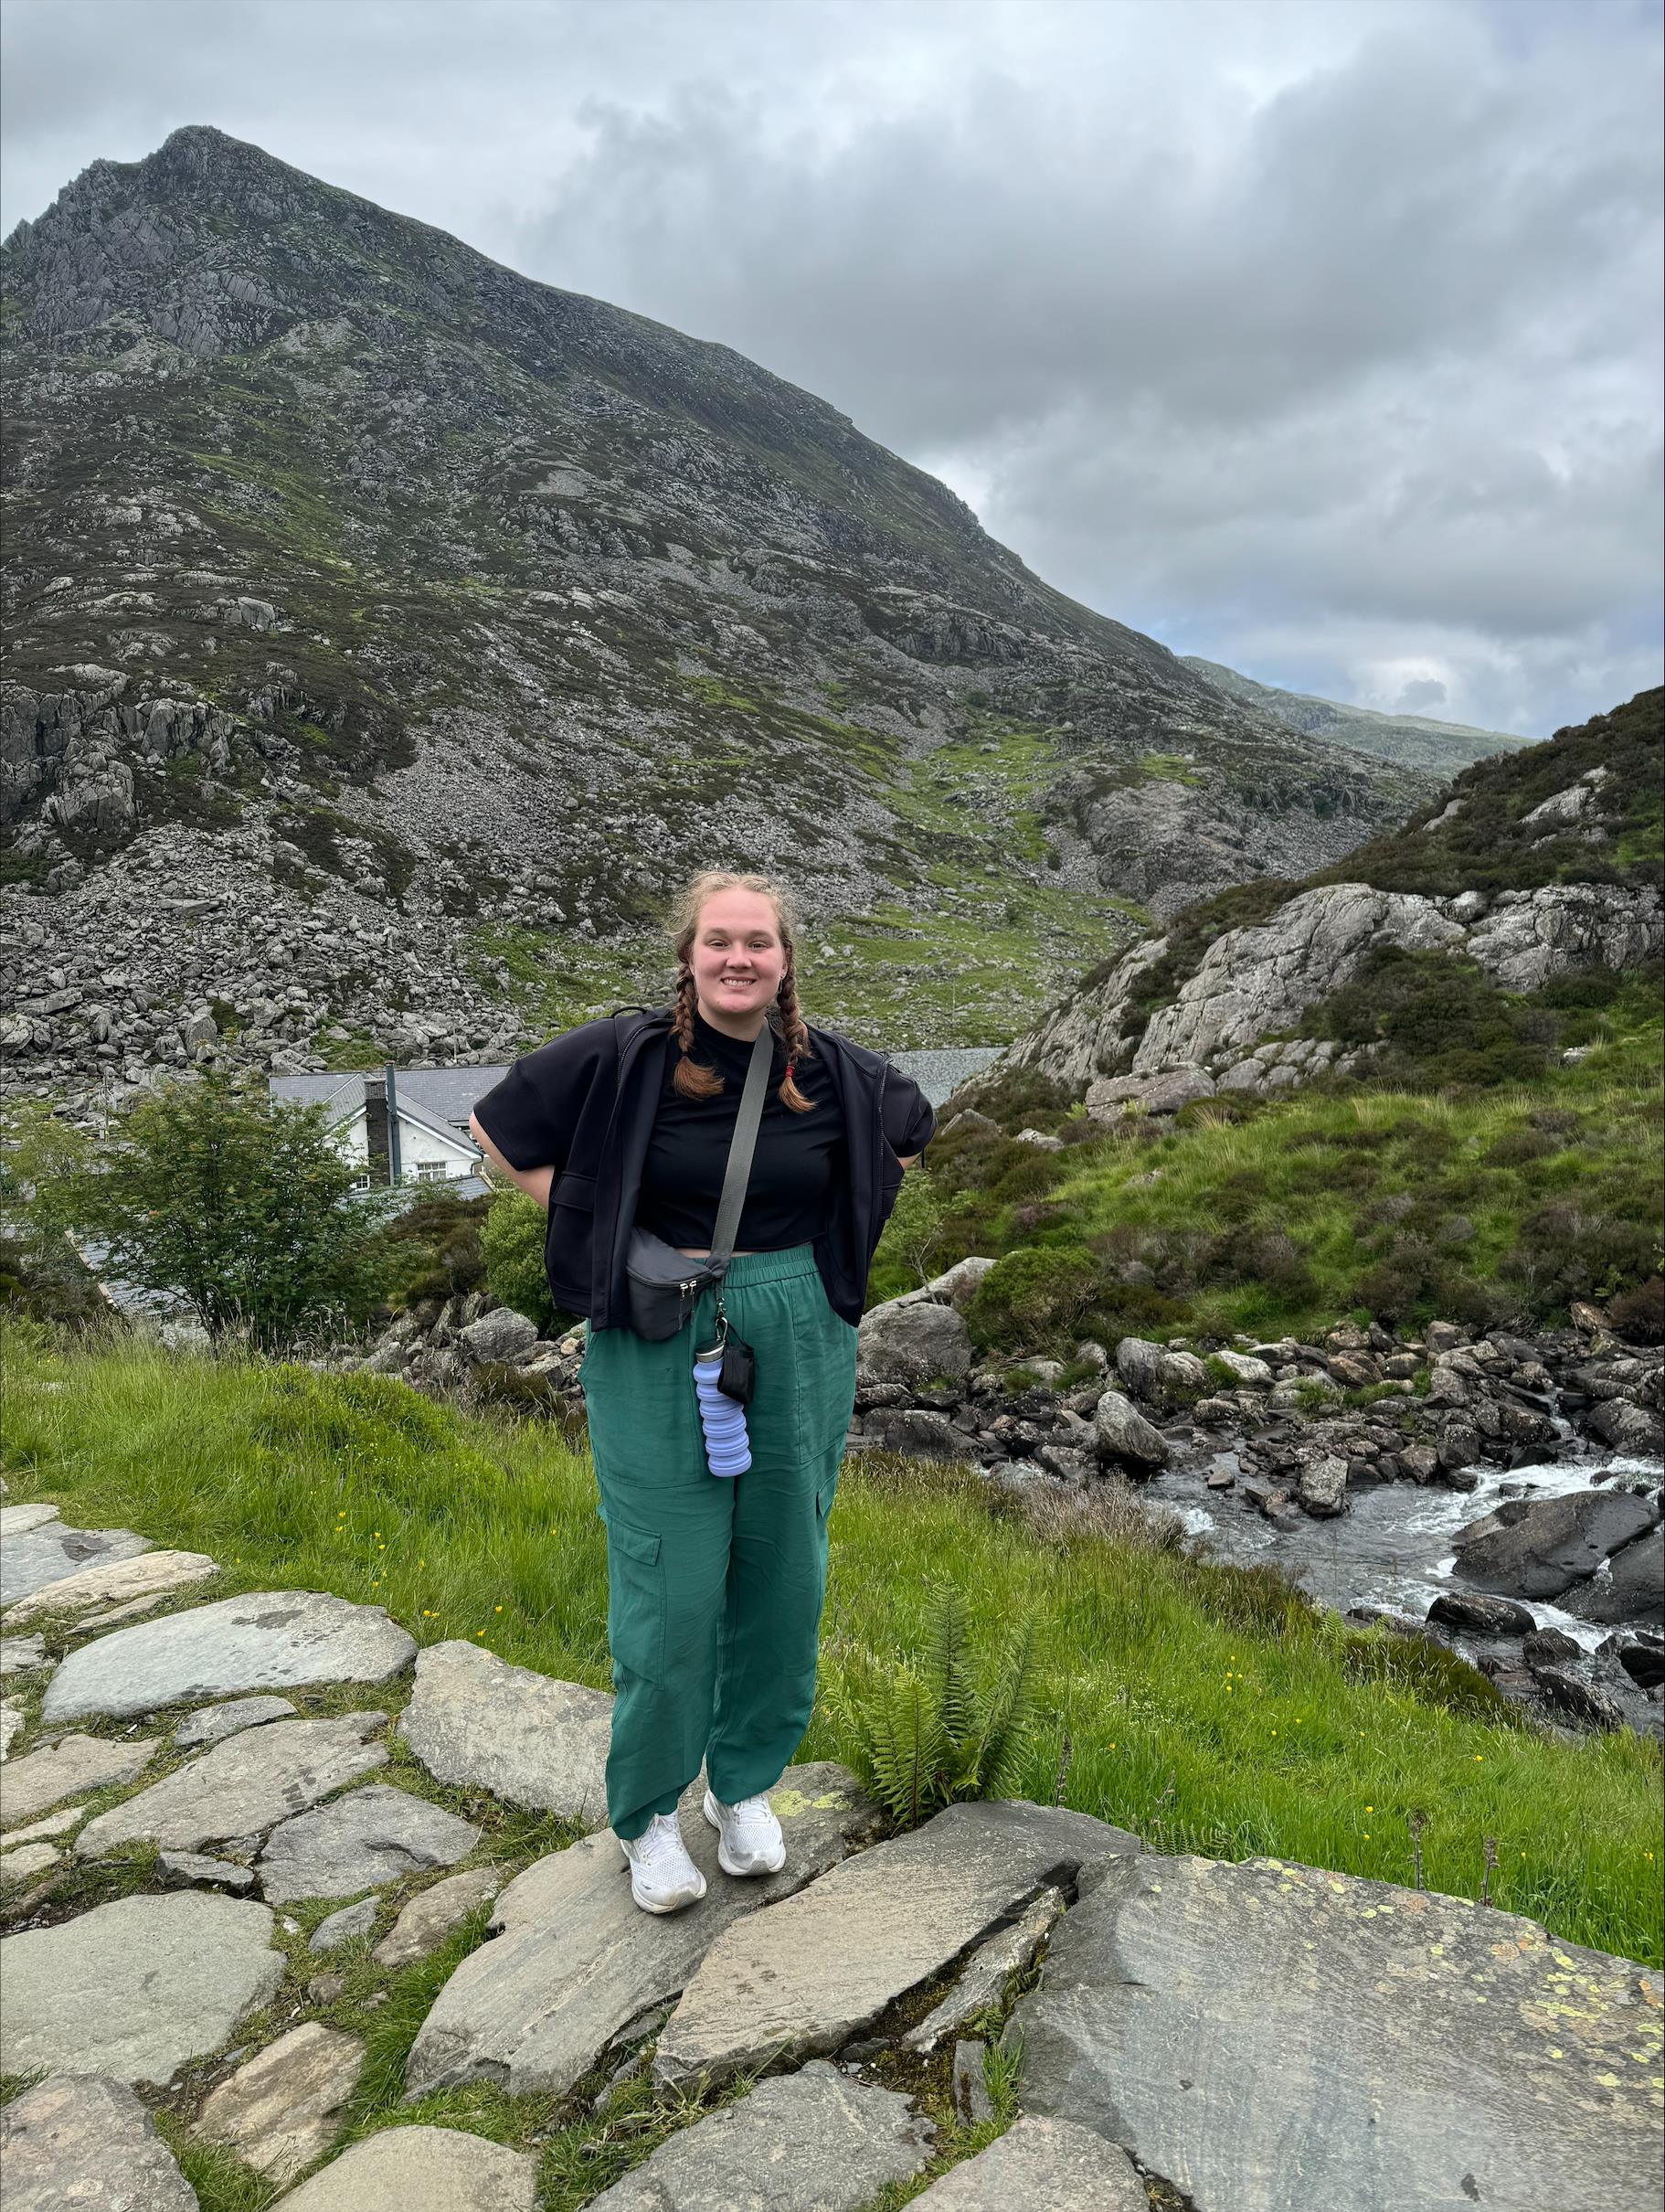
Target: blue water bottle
[{"x": 728, "y": 1448}]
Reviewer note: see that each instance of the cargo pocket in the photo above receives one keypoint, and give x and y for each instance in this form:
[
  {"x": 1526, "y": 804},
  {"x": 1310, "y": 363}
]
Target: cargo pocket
[{"x": 636, "y": 1602}]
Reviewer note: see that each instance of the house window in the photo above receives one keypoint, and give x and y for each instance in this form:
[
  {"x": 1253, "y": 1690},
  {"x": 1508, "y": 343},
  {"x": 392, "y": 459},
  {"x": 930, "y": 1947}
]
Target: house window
[{"x": 431, "y": 1171}]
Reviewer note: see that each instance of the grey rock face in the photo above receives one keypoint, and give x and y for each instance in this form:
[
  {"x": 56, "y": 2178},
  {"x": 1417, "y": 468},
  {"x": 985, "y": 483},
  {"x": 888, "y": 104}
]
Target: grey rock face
[
  {"x": 420, "y": 2169},
  {"x": 137, "y": 1988},
  {"x": 912, "y": 1342},
  {"x": 575, "y": 1960},
  {"x": 244, "y": 1786},
  {"x": 503, "y": 1338},
  {"x": 213, "y": 1723},
  {"x": 1335, "y": 2054},
  {"x": 48, "y": 1551},
  {"x": 370, "y": 1836},
  {"x": 528, "y": 1738},
  {"x": 1041, "y": 2165},
  {"x": 279, "y": 2112},
  {"x": 823, "y": 2141},
  {"x": 21, "y": 1655},
  {"x": 1250, "y": 1374},
  {"x": 987, "y": 1970},
  {"x": 23, "y": 1863},
  {"x": 1539, "y": 1547},
  {"x": 86, "y": 2142},
  {"x": 29, "y": 1785},
  {"x": 272, "y": 1640},
  {"x": 1110, "y": 1097},
  {"x": 1636, "y": 1431},
  {"x": 192, "y": 1870},
  {"x": 1121, "y": 1432},
  {"x": 114, "y": 1582},
  {"x": 1323, "y": 1485},
  {"x": 811, "y": 1973},
  {"x": 432, "y": 1913}
]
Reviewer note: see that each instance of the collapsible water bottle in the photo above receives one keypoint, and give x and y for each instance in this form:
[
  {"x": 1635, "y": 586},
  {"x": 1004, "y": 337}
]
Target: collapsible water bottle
[{"x": 727, "y": 1450}]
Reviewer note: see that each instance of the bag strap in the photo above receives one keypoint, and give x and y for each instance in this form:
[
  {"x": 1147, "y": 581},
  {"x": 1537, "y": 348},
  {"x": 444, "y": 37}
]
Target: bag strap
[{"x": 737, "y": 1174}]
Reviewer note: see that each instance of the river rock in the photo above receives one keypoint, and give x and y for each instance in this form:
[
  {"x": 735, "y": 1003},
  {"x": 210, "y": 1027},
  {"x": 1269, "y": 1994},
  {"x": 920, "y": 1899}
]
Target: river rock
[
  {"x": 28, "y": 1786},
  {"x": 1247, "y": 1372},
  {"x": 1582, "y": 1700},
  {"x": 1323, "y": 1485},
  {"x": 83, "y": 2143},
  {"x": 50, "y": 1552},
  {"x": 1155, "y": 1373},
  {"x": 370, "y": 1838},
  {"x": 432, "y": 1913},
  {"x": 1635, "y": 1430},
  {"x": 1121, "y": 1432},
  {"x": 271, "y": 1639},
  {"x": 990, "y": 1966},
  {"x": 526, "y": 1737},
  {"x": 575, "y": 1960},
  {"x": 1267, "y": 2036},
  {"x": 1481, "y": 1615},
  {"x": 826, "y": 2143},
  {"x": 1041, "y": 2165},
  {"x": 1538, "y": 1548},
  {"x": 137, "y": 1988},
  {"x": 339, "y": 1928},
  {"x": 21, "y": 1655},
  {"x": 817, "y": 1969},
  {"x": 213, "y": 1723},
  {"x": 279, "y": 2110},
  {"x": 242, "y": 1787},
  {"x": 1632, "y": 1589},
  {"x": 150, "y": 1574},
  {"x": 419, "y": 2169},
  {"x": 913, "y": 1344}
]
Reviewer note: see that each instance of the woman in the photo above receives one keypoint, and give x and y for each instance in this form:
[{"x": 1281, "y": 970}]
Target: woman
[{"x": 714, "y": 1586}]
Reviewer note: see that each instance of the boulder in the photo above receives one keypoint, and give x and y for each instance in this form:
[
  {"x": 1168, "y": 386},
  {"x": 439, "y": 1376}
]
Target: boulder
[
  {"x": 575, "y": 1961},
  {"x": 1155, "y": 1373},
  {"x": 819, "y": 1968},
  {"x": 913, "y": 1344},
  {"x": 1538, "y": 1548},
  {"x": 1246, "y": 1372},
  {"x": 149, "y": 1574},
  {"x": 137, "y": 1988},
  {"x": 270, "y": 1640},
  {"x": 244, "y": 1786},
  {"x": 1268, "y": 2036},
  {"x": 1041, "y": 2165},
  {"x": 527, "y": 1738},
  {"x": 1644, "y": 1662},
  {"x": 500, "y": 1338},
  {"x": 87, "y": 2143},
  {"x": 1480, "y": 1615},
  {"x": 342, "y": 1927},
  {"x": 1323, "y": 1485},
  {"x": 420, "y": 2169},
  {"x": 1121, "y": 1432},
  {"x": 1110, "y": 1097},
  {"x": 279, "y": 2110},
  {"x": 1582, "y": 1700},
  {"x": 28, "y": 1786},
  {"x": 432, "y": 1913},
  {"x": 917, "y": 1432},
  {"x": 822, "y": 2140},
  {"x": 368, "y": 1837},
  {"x": 1634, "y": 1431}
]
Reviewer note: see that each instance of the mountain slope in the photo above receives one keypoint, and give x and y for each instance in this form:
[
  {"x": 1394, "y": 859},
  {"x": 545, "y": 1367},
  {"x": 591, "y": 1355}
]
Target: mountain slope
[
  {"x": 367, "y": 590},
  {"x": 1441, "y": 747}
]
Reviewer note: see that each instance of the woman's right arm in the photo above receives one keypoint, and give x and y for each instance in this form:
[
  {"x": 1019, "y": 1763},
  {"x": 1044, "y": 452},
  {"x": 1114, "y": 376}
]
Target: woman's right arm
[{"x": 537, "y": 1181}]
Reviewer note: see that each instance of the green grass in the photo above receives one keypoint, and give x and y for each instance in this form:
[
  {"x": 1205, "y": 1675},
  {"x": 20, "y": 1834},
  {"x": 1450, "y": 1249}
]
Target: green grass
[{"x": 1205, "y": 1707}]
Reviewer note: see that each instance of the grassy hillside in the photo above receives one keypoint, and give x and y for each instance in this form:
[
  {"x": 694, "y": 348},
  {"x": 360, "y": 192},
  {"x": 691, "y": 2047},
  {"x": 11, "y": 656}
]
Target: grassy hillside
[
  {"x": 1206, "y": 1708},
  {"x": 1413, "y": 739}
]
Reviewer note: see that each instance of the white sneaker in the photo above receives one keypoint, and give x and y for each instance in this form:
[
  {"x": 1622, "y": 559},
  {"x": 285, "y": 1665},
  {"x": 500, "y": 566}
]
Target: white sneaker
[
  {"x": 663, "y": 1879},
  {"x": 748, "y": 1835}
]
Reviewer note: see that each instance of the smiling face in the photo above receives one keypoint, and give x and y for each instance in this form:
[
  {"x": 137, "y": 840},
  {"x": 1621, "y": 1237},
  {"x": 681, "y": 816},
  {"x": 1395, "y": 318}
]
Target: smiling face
[{"x": 737, "y": 958}]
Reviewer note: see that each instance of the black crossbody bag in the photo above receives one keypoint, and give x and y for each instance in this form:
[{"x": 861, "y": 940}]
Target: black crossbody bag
[{"x": 664, "y": 1284}]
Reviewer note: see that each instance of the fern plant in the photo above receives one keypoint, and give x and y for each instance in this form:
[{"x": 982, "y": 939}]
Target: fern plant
[{"x": 926, "y": 1735}]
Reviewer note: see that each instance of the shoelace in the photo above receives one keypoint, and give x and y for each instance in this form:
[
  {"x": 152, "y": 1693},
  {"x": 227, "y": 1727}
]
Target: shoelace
[{"x": 660, "y": 1835}]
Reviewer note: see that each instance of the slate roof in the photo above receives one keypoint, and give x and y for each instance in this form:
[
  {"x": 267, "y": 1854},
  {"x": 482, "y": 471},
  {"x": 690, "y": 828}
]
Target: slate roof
[{"x": 442, "y": 1096}]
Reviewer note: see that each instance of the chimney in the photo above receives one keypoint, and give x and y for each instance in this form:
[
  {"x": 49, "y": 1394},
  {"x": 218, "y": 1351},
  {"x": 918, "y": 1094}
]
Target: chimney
[{"x": 375, "y": 1128}]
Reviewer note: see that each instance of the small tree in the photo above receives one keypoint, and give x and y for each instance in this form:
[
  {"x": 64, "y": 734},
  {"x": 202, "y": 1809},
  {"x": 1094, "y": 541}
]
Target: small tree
[
  {"x": 235, "y": 1201},
  {"x": 512, "y": 1245}
]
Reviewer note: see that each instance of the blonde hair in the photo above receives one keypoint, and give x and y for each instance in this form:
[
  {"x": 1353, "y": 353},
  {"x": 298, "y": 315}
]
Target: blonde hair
[{"x": 692, "y": 1077}]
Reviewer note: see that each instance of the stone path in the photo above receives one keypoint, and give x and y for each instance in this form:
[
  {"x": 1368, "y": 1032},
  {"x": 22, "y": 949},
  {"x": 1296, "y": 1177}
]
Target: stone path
[{"x": 1265, "y": 2038}]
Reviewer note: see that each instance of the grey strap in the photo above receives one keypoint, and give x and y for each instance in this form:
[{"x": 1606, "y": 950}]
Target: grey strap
[{"x": 737, "y": 1174}]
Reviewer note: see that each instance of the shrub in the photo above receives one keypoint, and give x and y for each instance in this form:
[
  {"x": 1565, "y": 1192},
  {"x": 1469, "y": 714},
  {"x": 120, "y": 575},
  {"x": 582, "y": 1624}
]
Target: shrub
[
  {"x": 1032, "y": 1296},
  {"x": 1639, "y": 1315},
  {"x": 512, "y": 1247},
  {"x": 1565, "y": 1252},
  {"x": 431, "y": 1248}
]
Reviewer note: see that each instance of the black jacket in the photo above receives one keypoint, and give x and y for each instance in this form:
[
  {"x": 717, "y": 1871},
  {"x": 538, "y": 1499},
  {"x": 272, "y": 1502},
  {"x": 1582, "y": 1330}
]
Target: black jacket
[{"x": 584, "y": 1104}]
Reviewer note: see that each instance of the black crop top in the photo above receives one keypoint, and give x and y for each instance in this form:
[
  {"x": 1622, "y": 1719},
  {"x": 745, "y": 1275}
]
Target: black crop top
[{"x": 793, "y": 1169}]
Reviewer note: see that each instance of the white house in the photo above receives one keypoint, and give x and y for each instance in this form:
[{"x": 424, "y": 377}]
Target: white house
[{"x": 426, "y": 1140}]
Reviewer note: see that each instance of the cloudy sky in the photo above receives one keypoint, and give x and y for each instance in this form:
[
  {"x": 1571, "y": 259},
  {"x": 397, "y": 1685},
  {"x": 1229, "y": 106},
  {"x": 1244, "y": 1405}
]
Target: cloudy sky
[{"x": 1320, "y": 337}]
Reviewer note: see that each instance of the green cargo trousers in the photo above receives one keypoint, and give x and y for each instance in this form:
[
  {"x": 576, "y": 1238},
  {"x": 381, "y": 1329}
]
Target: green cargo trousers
[{"x": 714, "y": 1584}]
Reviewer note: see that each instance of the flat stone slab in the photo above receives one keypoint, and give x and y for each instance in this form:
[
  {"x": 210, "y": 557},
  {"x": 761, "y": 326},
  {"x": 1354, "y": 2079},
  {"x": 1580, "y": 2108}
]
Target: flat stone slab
[
  {"x": 1269, "y": 2036},
  {"x": 809, "y": 2141},
  {"x": 18, "y": 1520},
  {"x": 433, "y": 1912},
  {"x": 21, "y": 1655},
  {"x": 370, "y": 1836},
  {"x": 526, "y": 1737},
  {"x": 213, "y": 1723},
  {"x": 243, "y": 1787},
  {"x": 1041, "y": 2165},
  {"x": 28, "y": 1786},
  {"x": 577, "y": 1960},
  {"x": 419, "y": 2170},
  {"x": 90, "y": 2144},
  {"x": 191, "y": 1870},
  {"x": 26, "y": 1861},
  {"x": 151, "y": 1574},
  {"x": 272, "y": 1640},
  {"x": 12, "y": 1717},
  {"x": 53, "y": 1825},
  {"x": 806, "y": 1977},
  {"x": 49, "y": 1552},
  {"x": 281, "y": 2111},
  {"x": 137, "y": 1988},
  {"x": 988, "y": 1969}
]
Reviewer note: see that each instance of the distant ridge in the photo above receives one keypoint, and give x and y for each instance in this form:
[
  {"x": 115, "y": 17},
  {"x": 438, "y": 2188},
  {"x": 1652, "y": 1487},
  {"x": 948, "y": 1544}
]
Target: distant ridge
[{"x": 1413, "y": 741}]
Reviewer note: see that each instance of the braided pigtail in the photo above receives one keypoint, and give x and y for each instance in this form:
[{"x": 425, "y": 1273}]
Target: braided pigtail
[
  {"x": 797, "y": 1039},
  {"x": 691, "y": 1078}
]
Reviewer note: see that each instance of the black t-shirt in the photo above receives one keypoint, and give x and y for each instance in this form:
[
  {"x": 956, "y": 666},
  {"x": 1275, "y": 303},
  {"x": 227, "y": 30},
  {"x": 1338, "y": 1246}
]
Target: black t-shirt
[{"x": 797, "y": 1159}]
